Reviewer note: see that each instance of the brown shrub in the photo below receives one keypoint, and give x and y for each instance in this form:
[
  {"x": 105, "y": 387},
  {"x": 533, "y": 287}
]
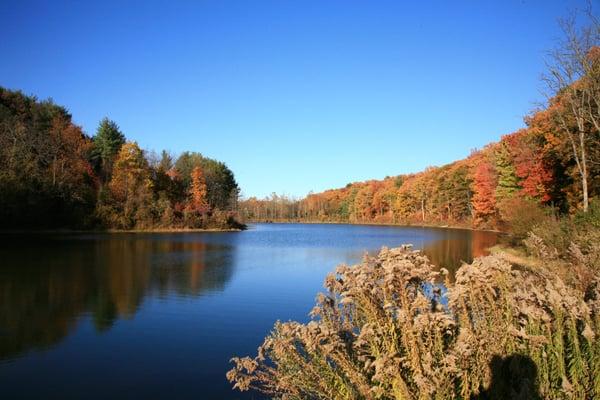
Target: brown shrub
[
  {"x": 387, "y": 330},
  {"x": 521, "y": 215},
  {"x": 570, "y": 248}
]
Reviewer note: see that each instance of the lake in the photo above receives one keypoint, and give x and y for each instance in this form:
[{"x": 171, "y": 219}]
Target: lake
[{"x": 159, "y": 315}]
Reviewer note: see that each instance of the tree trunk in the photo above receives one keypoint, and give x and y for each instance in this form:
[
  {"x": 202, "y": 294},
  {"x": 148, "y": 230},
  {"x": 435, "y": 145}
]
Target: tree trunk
[{"x": 584, "y": 183}]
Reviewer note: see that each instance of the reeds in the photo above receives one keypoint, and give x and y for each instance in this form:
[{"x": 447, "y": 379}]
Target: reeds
[{"x": 388, "y": 329}]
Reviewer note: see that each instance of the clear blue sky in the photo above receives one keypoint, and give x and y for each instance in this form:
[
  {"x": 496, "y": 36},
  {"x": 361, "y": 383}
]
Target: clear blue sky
[{"x": 293, "y": 96}]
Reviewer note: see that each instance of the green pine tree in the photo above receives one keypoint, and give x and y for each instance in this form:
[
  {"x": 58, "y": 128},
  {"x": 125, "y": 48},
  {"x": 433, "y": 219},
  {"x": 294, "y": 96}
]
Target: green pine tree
[
  {"x": 508, "y": 182},
  {"x": 107, "y": 143}
]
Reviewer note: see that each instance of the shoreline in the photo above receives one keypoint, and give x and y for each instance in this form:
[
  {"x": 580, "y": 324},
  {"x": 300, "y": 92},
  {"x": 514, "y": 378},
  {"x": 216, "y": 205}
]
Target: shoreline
[
  {"x": 228, "y": 230},
  {"x": 457, "y": 227},
  {"x": 96, "y": 231}
]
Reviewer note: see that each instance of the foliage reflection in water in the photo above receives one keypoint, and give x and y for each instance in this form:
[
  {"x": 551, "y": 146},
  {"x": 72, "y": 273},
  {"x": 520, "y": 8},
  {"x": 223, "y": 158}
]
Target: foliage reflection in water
[{"x": 107, "y": 313}]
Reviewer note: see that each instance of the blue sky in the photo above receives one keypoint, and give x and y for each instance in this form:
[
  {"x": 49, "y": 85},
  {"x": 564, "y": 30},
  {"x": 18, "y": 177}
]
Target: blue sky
[{"x": 293, "y": 95}]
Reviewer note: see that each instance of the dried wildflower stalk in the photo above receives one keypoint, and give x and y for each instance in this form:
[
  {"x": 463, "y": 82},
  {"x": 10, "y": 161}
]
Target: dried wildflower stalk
[{"x": 387, "y": 329}]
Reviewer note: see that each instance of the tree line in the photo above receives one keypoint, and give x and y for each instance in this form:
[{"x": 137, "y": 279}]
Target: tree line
[
  {"x": 54, "y": 175},
  {"x": 552, "y": 164}
]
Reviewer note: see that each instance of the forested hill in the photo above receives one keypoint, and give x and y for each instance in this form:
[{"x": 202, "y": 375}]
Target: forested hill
[
  {"x": 552, "y": 165},
  {"x": 53, "y": 175}
]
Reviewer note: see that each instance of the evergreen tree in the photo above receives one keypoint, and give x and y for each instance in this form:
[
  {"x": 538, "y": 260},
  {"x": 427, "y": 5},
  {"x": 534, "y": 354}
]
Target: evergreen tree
[
  {"x": 508, "y": 182},
  {"x": 165, "y": 163},
  {"x": 107, "y": 143}
]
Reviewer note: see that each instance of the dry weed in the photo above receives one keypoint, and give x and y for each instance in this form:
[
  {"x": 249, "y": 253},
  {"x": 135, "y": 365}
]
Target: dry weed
[{"x": 386, "y": 329}]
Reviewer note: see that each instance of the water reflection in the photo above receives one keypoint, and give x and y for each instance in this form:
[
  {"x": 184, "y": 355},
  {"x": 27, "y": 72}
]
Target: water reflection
[
  {"x": 453, "y": 247},
  {"x": 46, "y": 284}
]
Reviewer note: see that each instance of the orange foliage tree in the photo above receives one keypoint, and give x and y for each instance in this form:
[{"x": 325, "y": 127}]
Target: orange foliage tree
[{"x": 198, "y": 191}]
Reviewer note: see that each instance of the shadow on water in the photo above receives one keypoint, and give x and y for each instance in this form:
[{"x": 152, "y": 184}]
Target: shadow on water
[
  {"x": 513, "y": 377},
  {"x": 47, "y": 284}
]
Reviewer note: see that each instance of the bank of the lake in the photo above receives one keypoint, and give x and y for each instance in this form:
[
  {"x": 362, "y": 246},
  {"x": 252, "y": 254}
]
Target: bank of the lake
[
  {"x": 100, "y": 231},
  {"x": 461, "y": 226}
]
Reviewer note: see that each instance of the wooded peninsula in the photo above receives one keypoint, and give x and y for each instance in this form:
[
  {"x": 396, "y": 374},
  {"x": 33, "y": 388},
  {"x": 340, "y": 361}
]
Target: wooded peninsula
[{"x": 55, "y": 176}]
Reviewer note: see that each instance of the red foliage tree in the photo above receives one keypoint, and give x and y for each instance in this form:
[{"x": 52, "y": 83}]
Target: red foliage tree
[
  {"x": 484, "y": 187},
  {"x": 535, "y": 176}
]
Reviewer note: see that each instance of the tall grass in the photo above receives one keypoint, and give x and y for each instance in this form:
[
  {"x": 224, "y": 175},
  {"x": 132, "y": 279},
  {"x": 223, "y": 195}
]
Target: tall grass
[{"x": 387, "y": 329}]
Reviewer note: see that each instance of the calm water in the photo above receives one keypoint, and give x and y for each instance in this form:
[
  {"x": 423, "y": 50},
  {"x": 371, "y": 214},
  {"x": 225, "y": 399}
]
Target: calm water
[{"x": 160, "y": 315}]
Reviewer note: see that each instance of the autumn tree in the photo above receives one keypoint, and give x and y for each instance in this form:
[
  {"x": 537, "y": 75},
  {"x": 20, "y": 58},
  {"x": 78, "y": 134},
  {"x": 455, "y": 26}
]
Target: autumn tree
[
  {"x": 66, "y": 160},
  {"x": 198, "y": 191},
  {"x": 404, "y": 205},
  {"x": 383, "y": 197},
  {"x": 484, "y": 187},
  {"x": 421, "y": 192},
  {"x": 533, "y": 171},
  {"x": 573, "y": 83},
  {"x": 131, "y": 189},
  {"x": 363, "y": 204}
]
